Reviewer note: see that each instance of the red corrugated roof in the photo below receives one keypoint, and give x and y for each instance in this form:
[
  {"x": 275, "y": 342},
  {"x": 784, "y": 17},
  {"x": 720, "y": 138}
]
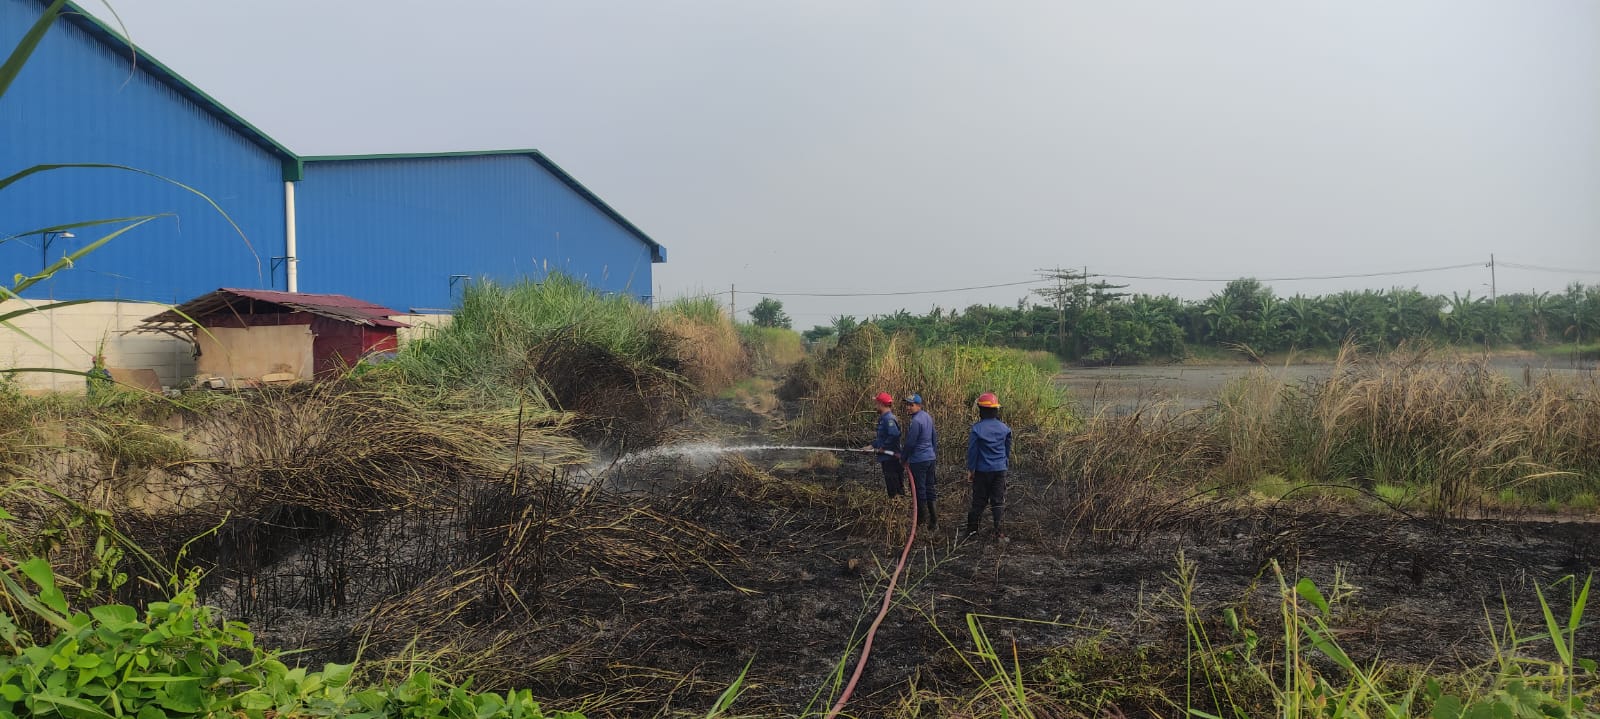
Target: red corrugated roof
[{"x": 339, "y": 307}]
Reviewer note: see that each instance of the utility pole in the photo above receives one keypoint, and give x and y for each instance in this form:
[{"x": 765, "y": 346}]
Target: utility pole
[
  {"x": 1061, "y": 313},
  {"x": 733, "y": 305},
  {"x": 1492, "y": 294}
]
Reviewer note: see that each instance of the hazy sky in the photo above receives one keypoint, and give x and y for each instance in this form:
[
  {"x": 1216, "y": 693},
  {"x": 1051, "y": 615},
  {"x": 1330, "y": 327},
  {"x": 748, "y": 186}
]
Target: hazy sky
[{"x": 896, "y": 146}]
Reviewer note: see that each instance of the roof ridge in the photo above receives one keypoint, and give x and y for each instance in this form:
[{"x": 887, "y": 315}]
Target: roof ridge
[{"x": 143, "y": 60}]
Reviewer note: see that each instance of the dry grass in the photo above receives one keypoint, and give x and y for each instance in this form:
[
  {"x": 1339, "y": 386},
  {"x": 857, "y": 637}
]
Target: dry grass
[
  {"x": 1458, "y": 429},
  {"x": 854, "y": 509},
  {"x": 17, "y": 434},
  {"x": 505, "y": 572},
  {"x": 1122, "y": 477},
  {"x": 714, "y": 357},
  {"x": 1450, "y": 435},
  {"x": 350, "y": 450}
]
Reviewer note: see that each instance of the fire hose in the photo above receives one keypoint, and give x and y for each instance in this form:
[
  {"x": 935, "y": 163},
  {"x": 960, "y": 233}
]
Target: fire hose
[{"x": 888, "y": 598}]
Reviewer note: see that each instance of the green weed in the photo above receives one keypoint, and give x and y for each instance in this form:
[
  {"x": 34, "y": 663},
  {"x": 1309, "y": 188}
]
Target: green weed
[{"x": 177, "y": 659}]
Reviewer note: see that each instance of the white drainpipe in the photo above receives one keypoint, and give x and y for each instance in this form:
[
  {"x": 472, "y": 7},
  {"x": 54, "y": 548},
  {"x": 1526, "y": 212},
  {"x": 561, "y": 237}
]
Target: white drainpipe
[{"x": 291, "y": 258}]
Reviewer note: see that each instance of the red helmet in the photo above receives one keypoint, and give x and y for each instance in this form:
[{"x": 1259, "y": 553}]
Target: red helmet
[
  {"x": 987, "y": 399},
  {"x": 885, "y": 398}
]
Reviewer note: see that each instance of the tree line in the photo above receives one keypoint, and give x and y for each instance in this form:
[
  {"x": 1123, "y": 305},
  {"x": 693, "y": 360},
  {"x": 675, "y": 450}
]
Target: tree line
[{"x": 1096, "y": 323}]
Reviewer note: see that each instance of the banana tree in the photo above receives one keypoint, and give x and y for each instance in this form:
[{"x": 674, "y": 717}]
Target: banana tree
[{"x": 1303, "y": 322}]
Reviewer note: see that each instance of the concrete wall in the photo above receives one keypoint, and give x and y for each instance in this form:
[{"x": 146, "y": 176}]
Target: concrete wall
[
  {"x": 74, "y": 333},
  {"x": 421, "y": 326}
]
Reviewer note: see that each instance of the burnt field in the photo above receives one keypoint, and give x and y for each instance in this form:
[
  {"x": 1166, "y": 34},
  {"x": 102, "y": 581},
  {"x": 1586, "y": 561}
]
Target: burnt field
[
  {"x": 624, "y": 564},
  {"x": 646, "y": 588}
]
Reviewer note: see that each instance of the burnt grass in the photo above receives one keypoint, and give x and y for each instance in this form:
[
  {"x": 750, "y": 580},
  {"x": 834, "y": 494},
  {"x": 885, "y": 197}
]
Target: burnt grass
[{"x": 653, "y": 585}]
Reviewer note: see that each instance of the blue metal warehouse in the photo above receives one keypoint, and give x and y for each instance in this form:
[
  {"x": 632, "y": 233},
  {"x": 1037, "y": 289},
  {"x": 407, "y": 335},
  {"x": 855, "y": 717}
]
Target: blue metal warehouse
[
  {"x": 401, "y": 230},
  {"x": 454, "y": 216}
]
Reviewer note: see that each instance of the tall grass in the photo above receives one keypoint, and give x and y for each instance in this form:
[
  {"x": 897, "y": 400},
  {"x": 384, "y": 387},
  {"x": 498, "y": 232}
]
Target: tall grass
[
  {"x": 560, "y": 345},
  {"x": 1457, "y": 430},
  {"x": 501, "y": 333},
  {"x": 1450, "y": 437},
  {"x": 772, "y": 348},
  {"x": 835, "y": 390},
  {"x": 714, "y": 356},
  {"x": 1123, "y": 474}
]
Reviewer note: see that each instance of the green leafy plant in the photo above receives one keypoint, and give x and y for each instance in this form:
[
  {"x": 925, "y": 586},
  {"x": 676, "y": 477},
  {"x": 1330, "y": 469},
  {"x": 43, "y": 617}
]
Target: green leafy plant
[{"x": 177, "y": 659}]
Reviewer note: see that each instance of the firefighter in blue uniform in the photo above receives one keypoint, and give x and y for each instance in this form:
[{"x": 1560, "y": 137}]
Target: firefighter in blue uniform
[
  {"x": 916, "y": 450},
  {"x": 887, "y": 443},
  {"x": 988, "y": 458}
]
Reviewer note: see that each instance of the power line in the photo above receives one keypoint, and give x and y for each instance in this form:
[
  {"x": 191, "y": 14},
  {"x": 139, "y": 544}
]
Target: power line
[
  {"x": 1291, "y": 279},
  {"x": 1541, "y": 268},
  {"x": 897, "y": 294},
  {"x": 1167, "y": 278}
]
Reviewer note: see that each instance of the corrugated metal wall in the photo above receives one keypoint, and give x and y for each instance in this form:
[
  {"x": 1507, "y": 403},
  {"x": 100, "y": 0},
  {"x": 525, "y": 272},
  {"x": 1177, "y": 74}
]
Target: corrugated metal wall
[
  {"x": 394, "y": 231},
  {"x": 389, "y": 230},
  {"x": 78, "y": 100}
]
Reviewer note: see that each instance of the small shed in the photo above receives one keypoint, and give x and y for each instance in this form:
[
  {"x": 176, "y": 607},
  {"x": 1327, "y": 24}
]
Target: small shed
[{"x": 250, "y": 336}]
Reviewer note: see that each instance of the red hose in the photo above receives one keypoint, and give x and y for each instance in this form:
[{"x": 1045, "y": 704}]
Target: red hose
[{"x": 888, "y": 596}]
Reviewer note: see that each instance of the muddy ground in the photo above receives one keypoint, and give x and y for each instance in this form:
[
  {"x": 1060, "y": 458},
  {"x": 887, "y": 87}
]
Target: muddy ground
[{"x": 783, "y": 556}]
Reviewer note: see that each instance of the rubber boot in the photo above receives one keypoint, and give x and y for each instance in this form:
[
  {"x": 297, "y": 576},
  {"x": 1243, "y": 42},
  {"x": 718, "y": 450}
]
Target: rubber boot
[
  {"x": 922, "y": 514},
  {"x": 933, "y": 519}
]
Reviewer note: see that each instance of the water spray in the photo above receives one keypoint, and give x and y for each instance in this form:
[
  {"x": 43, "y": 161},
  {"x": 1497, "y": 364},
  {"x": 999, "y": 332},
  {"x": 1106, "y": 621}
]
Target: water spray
[{"x": 705, "y": 449}]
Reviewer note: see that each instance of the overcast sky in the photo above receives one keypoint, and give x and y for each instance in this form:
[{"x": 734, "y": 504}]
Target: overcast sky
[{"x": 895, "y": 146}]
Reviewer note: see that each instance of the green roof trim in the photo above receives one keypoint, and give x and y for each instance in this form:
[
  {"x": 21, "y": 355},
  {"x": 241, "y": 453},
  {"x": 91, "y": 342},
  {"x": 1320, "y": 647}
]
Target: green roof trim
[
  {"x": 658, "y": 253},
  {"x": 144, "y": 61}
]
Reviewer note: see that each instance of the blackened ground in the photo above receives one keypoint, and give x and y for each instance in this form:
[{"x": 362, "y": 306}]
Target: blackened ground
[
  {"x": 656, "y": 598},
  {"x": 1408, "y": 591}
]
